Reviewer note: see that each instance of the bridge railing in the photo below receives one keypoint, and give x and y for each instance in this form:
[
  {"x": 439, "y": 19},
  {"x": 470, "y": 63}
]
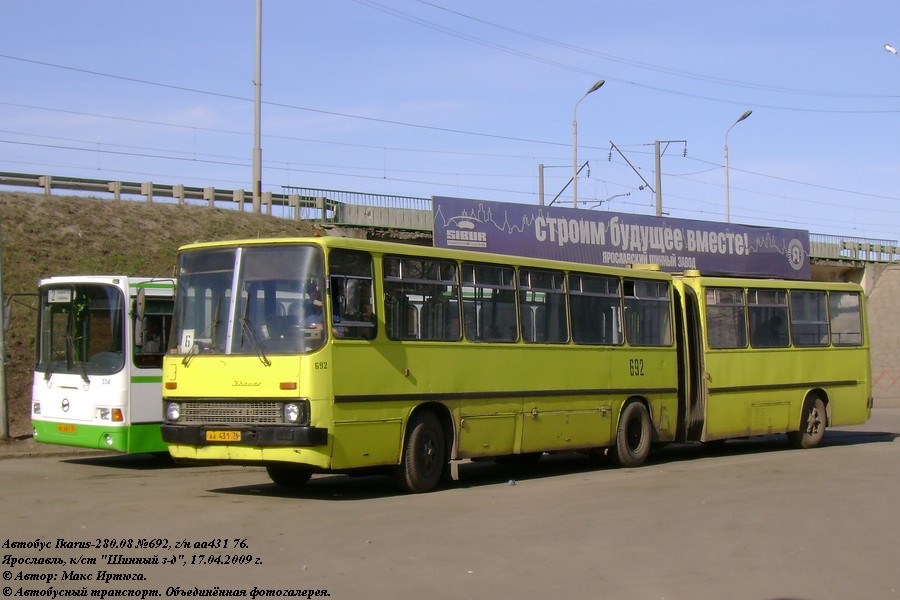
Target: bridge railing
[{"x": 853, "y": 248}]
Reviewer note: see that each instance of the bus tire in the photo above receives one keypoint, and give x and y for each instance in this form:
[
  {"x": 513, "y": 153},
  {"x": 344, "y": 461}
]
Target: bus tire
[
  {"x": 424, "y": 454},
  {"x": 633, "y": 436},
  {"x": 288, "y": 475},
  {"x": 812, "y": 424}
]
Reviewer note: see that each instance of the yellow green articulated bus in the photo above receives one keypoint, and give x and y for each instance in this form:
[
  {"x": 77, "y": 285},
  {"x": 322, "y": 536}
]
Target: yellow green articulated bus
[
  {"x": 98, "y": 375},
  {"x": 335, "y": 355}
]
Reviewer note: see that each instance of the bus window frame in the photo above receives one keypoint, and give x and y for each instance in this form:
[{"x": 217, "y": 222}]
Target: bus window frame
[
  {"x": 420, "y": 296},
  {"x": 549, "y": 295},
  {"x": 728, "y": 306},
  {"x": 803, "y": 322},
  {"x": 768, "y": 321},
  {"x": 584, "y": 317},
  {"x": 500, "y": 279}
]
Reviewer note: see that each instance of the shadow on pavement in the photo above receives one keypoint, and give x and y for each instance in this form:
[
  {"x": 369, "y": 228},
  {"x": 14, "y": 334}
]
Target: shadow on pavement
[
  {"x": 136, "y": 462},
  {"x": 339, "y": 487}
]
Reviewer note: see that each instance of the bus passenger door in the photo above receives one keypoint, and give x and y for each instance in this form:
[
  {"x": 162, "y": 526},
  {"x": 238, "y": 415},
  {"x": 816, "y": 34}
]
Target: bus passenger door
[{"x": 692, "y": 388}]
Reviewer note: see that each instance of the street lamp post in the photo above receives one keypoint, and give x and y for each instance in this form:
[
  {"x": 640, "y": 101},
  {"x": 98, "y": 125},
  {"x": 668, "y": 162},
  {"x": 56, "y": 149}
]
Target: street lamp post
[
  {"x": 594, "y": 88},
  {"x": 727, "y": 190}
]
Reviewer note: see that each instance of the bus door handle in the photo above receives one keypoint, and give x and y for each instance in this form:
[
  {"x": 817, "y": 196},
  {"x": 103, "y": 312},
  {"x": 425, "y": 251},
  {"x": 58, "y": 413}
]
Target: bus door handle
[{"x": 534, "y": 412}]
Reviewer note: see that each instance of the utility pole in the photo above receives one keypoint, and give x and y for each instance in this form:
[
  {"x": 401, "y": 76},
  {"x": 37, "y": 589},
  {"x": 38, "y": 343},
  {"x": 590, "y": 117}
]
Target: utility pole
[
  {"x": 4, "y": 408},
  {"x": 541, "y": 184},
  {"x": 658, "y": 165},
  {"x": 656, "y": 147},
  {"x": 257, "y": 97}
]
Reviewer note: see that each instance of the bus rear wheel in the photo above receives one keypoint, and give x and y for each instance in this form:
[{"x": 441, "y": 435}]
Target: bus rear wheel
[
  {"x": 633, "y": 436},
  {"x": 424, "y": 454},
  {"x": 288, "y": 475},
  {"x": 812, "y": 425}
]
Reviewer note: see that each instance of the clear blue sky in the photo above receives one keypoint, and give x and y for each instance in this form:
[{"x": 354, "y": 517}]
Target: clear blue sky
[{"x": 467, "y": 98}]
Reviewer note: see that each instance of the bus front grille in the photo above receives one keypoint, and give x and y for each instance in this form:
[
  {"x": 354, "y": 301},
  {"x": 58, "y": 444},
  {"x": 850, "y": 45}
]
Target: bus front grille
[{"x": 238, "y": 413}]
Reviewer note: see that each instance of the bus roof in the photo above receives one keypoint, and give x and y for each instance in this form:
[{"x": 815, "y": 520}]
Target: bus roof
[
  {"x": 794, "y": 284},
  {"x": 124, "y": 281},
  {"x": 432, "y": 252}
]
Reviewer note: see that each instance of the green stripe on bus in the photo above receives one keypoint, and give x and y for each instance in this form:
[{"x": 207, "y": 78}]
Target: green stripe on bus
[
  {"x": 483, "y": 395},
  {"x": 159, "y": 286},
  {"x": 146, "y": 379},
  {"x": 800, "y": 385}
]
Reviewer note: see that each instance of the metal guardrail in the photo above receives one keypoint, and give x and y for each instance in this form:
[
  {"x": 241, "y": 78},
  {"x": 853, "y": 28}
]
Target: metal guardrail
[
  {"x": 853, "y": 248},
  {"x": 149, "y": 191},
  {"x": 326, "y": 206},
  {"x": 357, "y": 209}
]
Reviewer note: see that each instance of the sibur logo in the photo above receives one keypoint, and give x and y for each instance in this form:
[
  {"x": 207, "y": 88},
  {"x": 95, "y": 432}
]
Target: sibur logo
[{"x": 461, "y": 233}]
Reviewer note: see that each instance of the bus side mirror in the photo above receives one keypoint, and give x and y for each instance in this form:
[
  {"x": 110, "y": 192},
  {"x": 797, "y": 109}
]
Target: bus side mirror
[{"x": 140, "y": 304}]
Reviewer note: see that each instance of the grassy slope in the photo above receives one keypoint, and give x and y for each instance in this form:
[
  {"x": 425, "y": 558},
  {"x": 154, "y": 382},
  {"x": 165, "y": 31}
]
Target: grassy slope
[{"x": 69, "y": 235}]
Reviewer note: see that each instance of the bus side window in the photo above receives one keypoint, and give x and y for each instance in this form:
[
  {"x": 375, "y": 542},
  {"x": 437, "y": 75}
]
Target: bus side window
[
  {"x": 726, "y": 318},
  {"x": 768, "y": 318},
  {"x": 647, "y": 310},
  {"x": 809, "y": 318},
  {"x": 149, "y": 355},
  {"x": 542, "y": 306},
  {"x": 845, "y": 319},
  {"x": 489, "y": 303},
  {"x": 352, "y": 297},
  {"x": 421, "y": 299},
  {"x": 596, "y": 309}
]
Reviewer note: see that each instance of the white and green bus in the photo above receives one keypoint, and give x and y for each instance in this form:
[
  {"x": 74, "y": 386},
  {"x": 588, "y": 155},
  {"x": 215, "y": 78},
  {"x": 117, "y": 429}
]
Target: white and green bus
[
  {"x": 97, "y": 378},
  {"x": 335, "y": 355}
]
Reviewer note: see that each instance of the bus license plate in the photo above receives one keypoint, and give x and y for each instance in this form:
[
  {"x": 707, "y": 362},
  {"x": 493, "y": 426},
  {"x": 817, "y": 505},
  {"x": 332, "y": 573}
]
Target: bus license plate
[
  {"x": 61, "y": 428},
  {"x": 223, "y": 436}
]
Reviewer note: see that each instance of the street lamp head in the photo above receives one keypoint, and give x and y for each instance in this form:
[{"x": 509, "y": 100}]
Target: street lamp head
[
  {"x": 739, "y": 119},
  {"x": 890, "y": 49},
  {"x": 595, "y": 87}
]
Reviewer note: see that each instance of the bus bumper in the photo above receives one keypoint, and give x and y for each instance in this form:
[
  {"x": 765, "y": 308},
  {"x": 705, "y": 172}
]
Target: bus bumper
[
  {"x": 260, "y": 437},
  {"x": 138, "y": 438}
]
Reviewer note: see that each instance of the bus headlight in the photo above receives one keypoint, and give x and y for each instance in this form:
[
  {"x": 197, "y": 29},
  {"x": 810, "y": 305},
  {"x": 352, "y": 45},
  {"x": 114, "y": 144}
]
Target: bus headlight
[
  {"x": 296, "y": 413},
  {"x": 173, "y": 411},
  {"x": 103, "y": 414},
  {"x": 291, "y": 412}
]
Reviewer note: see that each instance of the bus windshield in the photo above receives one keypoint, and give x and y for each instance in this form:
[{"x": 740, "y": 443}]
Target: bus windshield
[
  {"x": 250, "y": 300},
  {"x": 81, "y": 330}
]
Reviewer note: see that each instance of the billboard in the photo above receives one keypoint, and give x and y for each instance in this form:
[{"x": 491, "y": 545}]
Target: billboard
[{"x": 620, "y": 239}]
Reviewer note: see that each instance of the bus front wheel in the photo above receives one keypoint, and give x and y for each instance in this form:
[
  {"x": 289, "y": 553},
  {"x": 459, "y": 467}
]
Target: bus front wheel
[
  {"x": 288, "y": 475},
  {"x": 812, "y": 425},
  {"x": 633, "y": 436},
  {"x": 424, "y": 453}
]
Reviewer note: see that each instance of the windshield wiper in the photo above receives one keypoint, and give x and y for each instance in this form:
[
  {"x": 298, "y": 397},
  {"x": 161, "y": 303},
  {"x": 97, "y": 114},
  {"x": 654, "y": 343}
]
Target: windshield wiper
[
  {"x": 71, "y": 359},
  {"x": 255, "y": 344},
  {"x": 194, "y": 351},
  {"x": 84, "y": 375},
  {"x": 49, "y": 372},
  {"x": 215, "y": 323}
]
